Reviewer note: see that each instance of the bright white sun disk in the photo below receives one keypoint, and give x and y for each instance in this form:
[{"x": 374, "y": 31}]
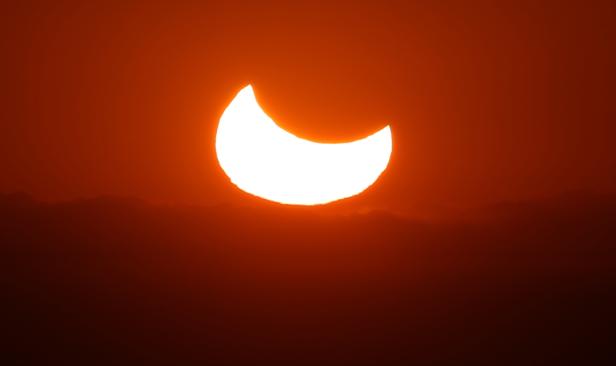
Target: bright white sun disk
[{"x": 263, "y": 159}]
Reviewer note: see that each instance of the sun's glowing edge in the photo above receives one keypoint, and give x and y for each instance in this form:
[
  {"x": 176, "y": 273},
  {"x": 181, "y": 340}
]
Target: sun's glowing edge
[{"x": 263, "y": 159}]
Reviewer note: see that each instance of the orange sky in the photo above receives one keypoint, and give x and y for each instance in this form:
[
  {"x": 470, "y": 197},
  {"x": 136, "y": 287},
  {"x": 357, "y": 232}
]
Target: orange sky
[{"x": 487, "y": 101}]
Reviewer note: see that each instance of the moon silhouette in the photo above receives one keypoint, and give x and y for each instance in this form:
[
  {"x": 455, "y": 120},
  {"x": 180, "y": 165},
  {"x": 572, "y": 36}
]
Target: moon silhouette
[{"x": 263, "y": 159}]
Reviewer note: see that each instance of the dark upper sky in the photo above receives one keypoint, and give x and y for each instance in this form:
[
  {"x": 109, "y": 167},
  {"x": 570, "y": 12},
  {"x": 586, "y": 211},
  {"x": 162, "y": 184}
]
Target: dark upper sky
[{"x": 488, "y": 101}]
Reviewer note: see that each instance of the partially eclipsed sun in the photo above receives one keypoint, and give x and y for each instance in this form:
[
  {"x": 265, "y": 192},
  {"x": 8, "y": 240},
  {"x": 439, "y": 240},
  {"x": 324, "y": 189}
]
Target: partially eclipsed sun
[{"x": 267, "y": 161}]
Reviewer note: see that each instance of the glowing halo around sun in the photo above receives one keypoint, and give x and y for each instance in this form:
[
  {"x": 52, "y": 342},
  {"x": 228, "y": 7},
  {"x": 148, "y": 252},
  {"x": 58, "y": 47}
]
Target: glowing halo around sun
[{"x": 264, "y": 160}]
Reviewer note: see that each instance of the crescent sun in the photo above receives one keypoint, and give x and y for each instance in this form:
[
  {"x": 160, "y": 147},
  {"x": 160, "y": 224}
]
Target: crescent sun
[{"x": 263, "y": 159}]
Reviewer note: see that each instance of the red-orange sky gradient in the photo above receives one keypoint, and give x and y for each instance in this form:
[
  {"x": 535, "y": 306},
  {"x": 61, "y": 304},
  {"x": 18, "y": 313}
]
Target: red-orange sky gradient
[{"x": 488, "y": 101}]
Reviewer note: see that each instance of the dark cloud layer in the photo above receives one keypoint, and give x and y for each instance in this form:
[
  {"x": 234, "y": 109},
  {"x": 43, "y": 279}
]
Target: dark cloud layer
[{"x": 112, "y": 281}]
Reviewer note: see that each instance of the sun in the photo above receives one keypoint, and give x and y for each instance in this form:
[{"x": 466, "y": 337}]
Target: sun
[{"x": 265, "y": 160}]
